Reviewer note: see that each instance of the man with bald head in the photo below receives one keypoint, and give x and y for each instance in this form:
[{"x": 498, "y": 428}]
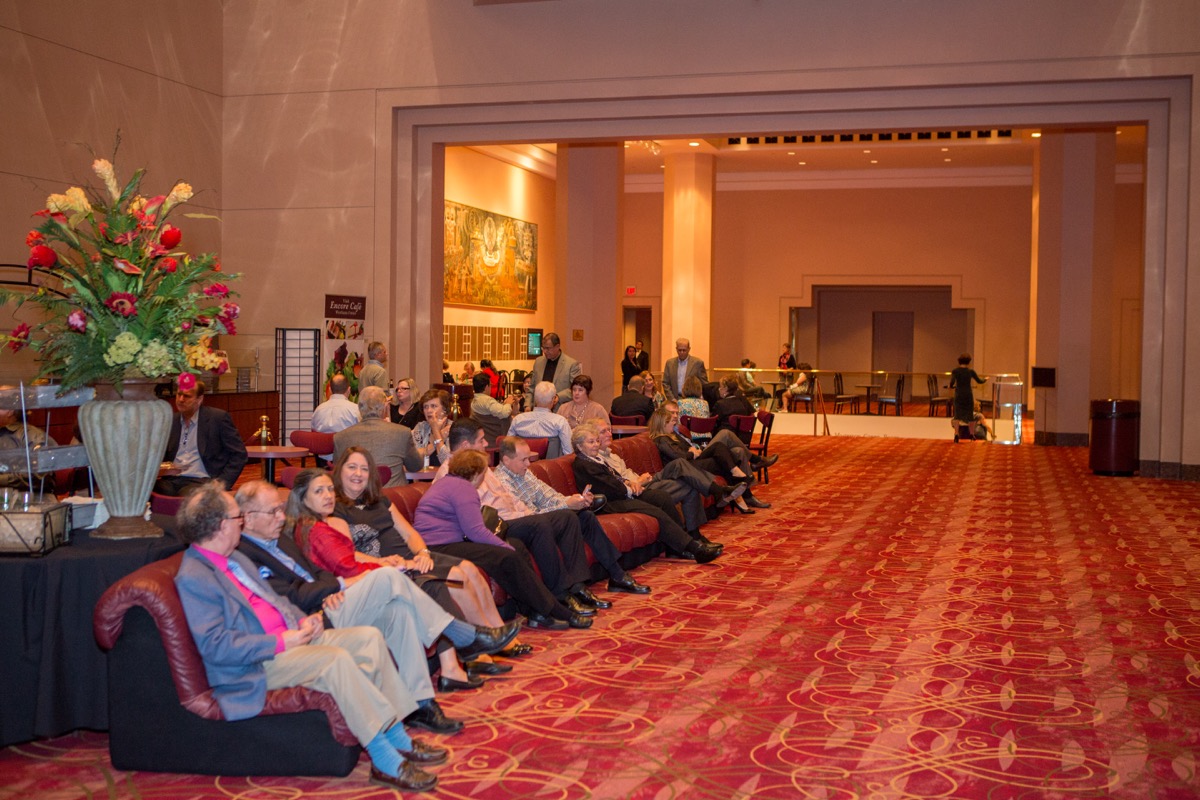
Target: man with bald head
[
  {"x": 338, "y": 412},
  {"x": 542, "y": 422}
]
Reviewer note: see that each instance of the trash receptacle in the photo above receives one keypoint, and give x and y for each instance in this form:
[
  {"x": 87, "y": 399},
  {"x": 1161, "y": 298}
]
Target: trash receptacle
[{"x": 1114, "y": 437}]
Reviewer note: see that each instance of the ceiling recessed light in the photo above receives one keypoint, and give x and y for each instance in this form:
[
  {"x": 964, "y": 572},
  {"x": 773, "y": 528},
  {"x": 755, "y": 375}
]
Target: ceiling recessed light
[
  {"x": 802, "y": 163},
  {"x": 945, "y": 149},
  {"x": 693, "y": 144},
  {"x": 1036, "y": 134},
  {"x": 874, "y": 161},
  {"x": 793, "y": 152},
  {"x": 946, "y": 160},
  {"x": 866, "y": 151}
]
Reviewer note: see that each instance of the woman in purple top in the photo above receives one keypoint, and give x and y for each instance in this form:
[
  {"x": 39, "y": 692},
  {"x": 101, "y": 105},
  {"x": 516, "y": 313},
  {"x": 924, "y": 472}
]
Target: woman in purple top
[{"x": 450, "y": 522}]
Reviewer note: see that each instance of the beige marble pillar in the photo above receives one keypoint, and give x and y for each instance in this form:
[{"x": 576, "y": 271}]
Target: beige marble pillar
[
  {"x": 590, "y": 196},
  {"x": 689, "y": 185},
  {"x": 1074, "y": 189}
]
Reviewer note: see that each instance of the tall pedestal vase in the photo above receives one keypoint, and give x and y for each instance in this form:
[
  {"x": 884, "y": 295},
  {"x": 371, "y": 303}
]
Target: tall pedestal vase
[{"x": 125, "y": 440}]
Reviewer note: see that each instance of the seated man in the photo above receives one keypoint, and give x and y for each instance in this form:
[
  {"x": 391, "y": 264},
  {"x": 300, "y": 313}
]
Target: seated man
[
  {"x": 494, "y": 416},
  {"x": 338, "y": 412},
  {"x": 390, "y": 444},
  {"x": 742, "y": 460},
  {"x": 554, "y": 539},
  {"x": 634, "y": 400},
  {"x": 535, "y": 493},
  {"x": 203, "y": 443},
  {"x": 252, "y": 640},
  {"x": 543, "y": 422},
  {"x": 12, "y": 437},
  {"x": 732, "y": 402},
  {"x": 384, "y": 598}
]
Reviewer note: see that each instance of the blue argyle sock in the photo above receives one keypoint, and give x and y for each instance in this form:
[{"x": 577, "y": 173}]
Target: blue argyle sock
[{"x": 383, "y": 753}]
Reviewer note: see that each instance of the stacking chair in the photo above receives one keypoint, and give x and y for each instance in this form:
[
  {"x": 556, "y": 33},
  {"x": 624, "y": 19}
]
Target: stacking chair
[
  {"x": 540, "y": 445},
  {"x": 840, "y": 398},
  {"x": 764, "y": 441},
  {"x": 895, "y": 400},
  {"x": 698, "y": 425},
  {"x": 795, "y": 400},
  {"x": 315, "y": 442},
  {"x": 936, "y": 401},
  {"x": 743, "y": 426},
  {"x": 617, "y": 419}
]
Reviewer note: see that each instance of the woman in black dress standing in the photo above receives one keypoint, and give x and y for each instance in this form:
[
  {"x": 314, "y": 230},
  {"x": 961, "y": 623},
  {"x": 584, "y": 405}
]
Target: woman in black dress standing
[
  {"x": 630, "y": 366},
  {"x": 960, "y": 382}
]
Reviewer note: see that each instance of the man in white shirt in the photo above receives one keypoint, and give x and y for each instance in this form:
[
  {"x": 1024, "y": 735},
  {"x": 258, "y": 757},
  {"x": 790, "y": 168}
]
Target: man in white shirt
[
  {"x": 542, "y": 422},
  {"x": 338, "y": 412}
]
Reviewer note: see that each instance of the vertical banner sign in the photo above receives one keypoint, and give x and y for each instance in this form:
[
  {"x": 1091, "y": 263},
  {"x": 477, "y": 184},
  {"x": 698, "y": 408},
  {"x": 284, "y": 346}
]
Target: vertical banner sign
[{"x": 344, "y": 347}]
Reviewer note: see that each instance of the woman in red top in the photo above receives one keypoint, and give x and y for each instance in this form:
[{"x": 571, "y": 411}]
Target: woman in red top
[{"x": 326, "y": 541}]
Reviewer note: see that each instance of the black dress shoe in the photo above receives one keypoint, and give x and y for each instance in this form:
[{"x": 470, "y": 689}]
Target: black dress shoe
[
  {"x": 576, "y": 607},
  {"x": 627, "y": 584},
  {"x": 744, "y": 510},
  {"x": 586, "y": 597},
  {"x": 411, "y": 778},
  {"x": 490, "y": 640},
  {"x": 684, "y": 556},
  {"x": 424, "y": 753},
  {"x": 769, "y": 461},
  {"x": 487, "y": 668},
  {"x": 445, "y": 684},
  {"x": 537, "y": 620},
  {"x": 754, "y": 502},
  {"x": 516, "y": 650},
  {"x": 432, "y": 718},
  {"x": 579, "y": 621},
  {"x": 704, "y": 553}
]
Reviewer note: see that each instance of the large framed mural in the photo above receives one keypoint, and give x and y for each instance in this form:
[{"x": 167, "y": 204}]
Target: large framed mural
[{"x": 490, "y": 260}]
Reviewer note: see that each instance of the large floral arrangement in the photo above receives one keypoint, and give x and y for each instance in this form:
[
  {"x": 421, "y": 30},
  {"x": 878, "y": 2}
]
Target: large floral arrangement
[{"x": 121, "y": 299}]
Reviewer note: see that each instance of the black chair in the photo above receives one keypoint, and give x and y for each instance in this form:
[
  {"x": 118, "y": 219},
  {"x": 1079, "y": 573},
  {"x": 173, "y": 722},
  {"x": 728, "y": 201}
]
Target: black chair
[
  {"x": 840, "y": 398},
  {"x": 896, "y": 400},
  {"x": 764, "y": 442},
  {"x": 936, "y": 401}
]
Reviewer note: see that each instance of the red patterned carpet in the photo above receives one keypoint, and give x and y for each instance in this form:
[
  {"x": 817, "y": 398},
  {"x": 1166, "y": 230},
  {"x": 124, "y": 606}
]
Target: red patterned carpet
[{"x": 912, "y": 619}]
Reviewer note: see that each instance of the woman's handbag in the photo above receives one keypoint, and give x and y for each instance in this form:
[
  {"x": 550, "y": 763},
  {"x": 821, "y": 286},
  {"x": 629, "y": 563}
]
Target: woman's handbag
[{"x": 493, "y": 522}]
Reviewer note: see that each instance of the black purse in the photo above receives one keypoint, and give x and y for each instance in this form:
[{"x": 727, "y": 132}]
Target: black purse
[{"x": 493, "y": 522}]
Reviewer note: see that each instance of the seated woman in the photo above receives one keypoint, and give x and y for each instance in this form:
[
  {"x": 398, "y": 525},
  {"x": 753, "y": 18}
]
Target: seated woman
[
  {"x": 581, "y": 407},
  {"x": 468, "y": 373},
  {"x": 651, "y": 390},
  {"x": 378, "y": 530},
  {"x": 402, "y": 409},
  {"x": 802, "y": 386},
  {"x": 431, "y": 436},
  {"x": 485, "y": 366},
  {"x": 326, "y": 541},
  {"x": 450, "y": 522},
  {"x": 693, "y": 404},
  {"x": 716, "y": 458},
  {"x": 621, "y": 497}
]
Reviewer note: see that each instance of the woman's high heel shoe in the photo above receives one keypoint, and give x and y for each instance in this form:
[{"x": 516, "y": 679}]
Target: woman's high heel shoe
[{"x": 743, "y": 509}]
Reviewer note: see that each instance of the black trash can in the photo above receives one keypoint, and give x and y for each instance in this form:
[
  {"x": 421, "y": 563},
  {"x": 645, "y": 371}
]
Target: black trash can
[{"x": 1114, "y": 437}]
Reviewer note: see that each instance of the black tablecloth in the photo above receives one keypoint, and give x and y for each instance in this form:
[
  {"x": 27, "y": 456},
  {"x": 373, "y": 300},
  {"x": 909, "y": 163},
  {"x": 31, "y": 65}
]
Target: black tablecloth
[{"x": 53, "y": 675}]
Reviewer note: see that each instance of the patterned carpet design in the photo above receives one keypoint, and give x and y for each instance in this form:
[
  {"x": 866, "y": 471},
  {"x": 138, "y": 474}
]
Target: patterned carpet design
[{"x": 912, "y": 619}]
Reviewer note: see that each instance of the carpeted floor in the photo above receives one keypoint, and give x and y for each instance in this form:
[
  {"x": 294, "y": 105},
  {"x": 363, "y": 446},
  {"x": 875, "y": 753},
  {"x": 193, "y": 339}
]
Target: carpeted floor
[{"x": 913, "y": 618}]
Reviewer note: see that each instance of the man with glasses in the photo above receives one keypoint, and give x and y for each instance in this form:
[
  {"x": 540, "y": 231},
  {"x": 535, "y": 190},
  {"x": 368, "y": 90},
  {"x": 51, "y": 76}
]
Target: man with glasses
[
  {"x": 203, "y": 443},
  {"x": 557, "y": 367},
  {"x": 382, "y": 597},
  {"x": 677, "y": 370},
  {"x": 252, "y": 640}
]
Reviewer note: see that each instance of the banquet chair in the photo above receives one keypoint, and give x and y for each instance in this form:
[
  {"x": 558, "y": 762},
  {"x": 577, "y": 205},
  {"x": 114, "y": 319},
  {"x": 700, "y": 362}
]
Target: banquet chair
[
  {"x": 764, "y": 442},
  {"x": 697, "y": 425},
  {"x": 936, "y": 401},
  {"x": 541, "y": 446},
  {"x": 840, "y": 398},
  {"x": 315, "y": 442},
  {"x": 617, "y": 419},
  {"x": 743, "y": 426},
  {"x": 896, "y": 400}
]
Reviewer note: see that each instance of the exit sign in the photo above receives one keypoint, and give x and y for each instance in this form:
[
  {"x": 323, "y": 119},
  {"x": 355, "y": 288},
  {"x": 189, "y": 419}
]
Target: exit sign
[{"x": 630, "y": 291}]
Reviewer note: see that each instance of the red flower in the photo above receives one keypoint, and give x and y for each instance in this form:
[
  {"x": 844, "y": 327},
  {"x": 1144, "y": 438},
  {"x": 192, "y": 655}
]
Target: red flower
[
  {"x": 217, "y": 290},
  {"x": 186, "y": 325},
  {"x": 170, "y": 237},
  {"x": 33, "y": 238},
  {"x": 19, "y": 338},
  {"x": 227, "y": 322},
  {"x": 168, "y": 265},
  {"x": 223, "y": 367},
  {"x": 187, "y": 381},
  {"x": 127, "y": 267},
  {"x": 57, "y": 216},
  {"x": 231, "y": 310},
  {"x": 216, "y": 267},
  {"x": 122, "y": 303},
  {"x": 77, "y": 321},
  {"x": 42, "y": 256},
  {"x": 202, "y": 321}
]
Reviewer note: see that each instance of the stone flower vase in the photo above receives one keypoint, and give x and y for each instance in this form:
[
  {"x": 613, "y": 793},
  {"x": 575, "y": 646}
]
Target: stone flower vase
[{"x": 126, "y": 436}]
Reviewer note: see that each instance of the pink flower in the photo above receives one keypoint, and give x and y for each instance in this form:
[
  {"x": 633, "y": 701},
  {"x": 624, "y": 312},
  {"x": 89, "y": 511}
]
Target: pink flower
[
  {"x": 170, "y": 237},
  {"x": 77, "y": 321},
  {"x": 42, "y": 256},
  {"x": 223, "y": 367},
  {"x": 231, "y": 310},
  {"x": 19, "y": 337},
  {"x": 217, "y": 290},
  {"x": 186, "y": 325},
  {"x": 202, "y": 321},
  {"x": 127, "y": 267},
  {"x": 33, "y": 238},
  {"x": 187, "y": 381},
  {"x": 122, "y": 303},
  {"x": 168, "y": 264},
  {"x": 227, "y": 322}
]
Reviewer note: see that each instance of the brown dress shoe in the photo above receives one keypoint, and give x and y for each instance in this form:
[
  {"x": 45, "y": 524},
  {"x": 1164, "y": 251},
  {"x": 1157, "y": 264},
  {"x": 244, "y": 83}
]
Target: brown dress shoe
[
  {"x": 411, "y": 779},
  {"x": 423, "y": 753}
]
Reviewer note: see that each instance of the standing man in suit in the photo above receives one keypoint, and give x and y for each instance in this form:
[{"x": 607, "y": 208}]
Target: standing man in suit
[
  {"x": 679, "y": 369},
  {"x": 252, "y": 640},
  {"x": 557, "y": 367},
  {"x": 642, "y": 357},
  {"x": 203, "y": 444},
  {"x": 390, "y": 444}
]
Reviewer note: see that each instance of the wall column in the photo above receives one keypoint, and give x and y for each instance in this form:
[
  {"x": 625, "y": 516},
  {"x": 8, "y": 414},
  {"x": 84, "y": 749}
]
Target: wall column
[
  {"x": 589, "y": 202},
  {"x": 689, "y": 184},
  {"x": 1074, "y": 191}
]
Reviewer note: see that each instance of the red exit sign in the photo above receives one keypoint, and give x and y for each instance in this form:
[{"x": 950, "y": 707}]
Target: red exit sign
[{"x": 630, "y": 291}]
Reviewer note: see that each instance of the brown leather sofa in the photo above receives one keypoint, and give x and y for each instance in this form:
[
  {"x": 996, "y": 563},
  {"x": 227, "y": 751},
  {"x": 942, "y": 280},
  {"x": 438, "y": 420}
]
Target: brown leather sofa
[{"x": 162, "y": 713}]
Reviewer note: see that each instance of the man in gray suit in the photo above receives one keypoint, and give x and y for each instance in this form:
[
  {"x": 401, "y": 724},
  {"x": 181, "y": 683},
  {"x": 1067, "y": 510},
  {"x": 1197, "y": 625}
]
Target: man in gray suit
[
  {"x": 390, "y": 444},
  {"x": 679, "y": 369},
  {"x": 555, "y": 366}
]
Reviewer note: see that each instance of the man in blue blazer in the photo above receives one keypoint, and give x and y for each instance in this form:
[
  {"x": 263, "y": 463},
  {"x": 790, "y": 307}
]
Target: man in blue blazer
[
  {"x": 252, "y": 640},
  {"x": 203, "y": 444}
]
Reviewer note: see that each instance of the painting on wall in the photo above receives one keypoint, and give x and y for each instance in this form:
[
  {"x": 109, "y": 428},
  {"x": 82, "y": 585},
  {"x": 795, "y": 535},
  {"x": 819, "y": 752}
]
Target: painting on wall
[{"x": 490, "y": 260}]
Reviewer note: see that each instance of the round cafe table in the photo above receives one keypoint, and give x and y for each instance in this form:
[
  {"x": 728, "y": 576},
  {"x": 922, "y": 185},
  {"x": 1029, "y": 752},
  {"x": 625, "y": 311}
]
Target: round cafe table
[{"x": 267, "y": 453}]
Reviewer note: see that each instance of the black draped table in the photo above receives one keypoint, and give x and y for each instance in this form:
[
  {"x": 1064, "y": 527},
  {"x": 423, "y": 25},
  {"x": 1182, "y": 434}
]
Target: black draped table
[{"x": 53, "y": 675}]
